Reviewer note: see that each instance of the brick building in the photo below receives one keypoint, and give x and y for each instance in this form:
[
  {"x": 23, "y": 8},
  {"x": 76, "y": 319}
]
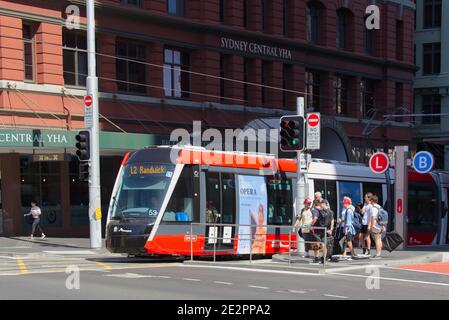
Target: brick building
[{"x": 165, "y": 63}]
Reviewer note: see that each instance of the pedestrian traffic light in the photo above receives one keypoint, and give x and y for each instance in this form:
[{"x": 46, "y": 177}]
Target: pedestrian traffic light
[
  {"x": 84, "y": 171},
  {"x": 292, "y": 133},
  {"x": 83, "y": 145}
]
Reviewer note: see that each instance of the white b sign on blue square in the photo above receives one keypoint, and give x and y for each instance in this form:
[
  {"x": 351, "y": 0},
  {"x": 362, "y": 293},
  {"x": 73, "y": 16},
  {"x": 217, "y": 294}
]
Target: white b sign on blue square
[{"x": 423, "y": 162}]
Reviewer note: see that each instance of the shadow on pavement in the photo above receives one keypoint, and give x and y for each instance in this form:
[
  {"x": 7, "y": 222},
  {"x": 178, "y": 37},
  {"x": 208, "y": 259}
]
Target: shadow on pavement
[
  {"x": 46, "y": 243},
  {"x": 149, "y": 260}
]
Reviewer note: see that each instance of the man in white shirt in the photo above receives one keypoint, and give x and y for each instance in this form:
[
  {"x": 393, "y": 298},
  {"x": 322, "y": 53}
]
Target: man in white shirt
[
  {"x": 36, "y": 213},
  {"x": 376, "y": 229},
  {"x": 365, "y": 231}
]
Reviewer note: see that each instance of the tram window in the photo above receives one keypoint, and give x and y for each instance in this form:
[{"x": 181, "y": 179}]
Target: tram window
[
  {"x": 328, "y": 189},
  {"x": 280, "y": 200},
  {"x": 228, "y": 192},
  {"x": 374, "y": 188},
  {"x": 422, "y": 207},
  {"x": 180, "y": 206},
  {"x": 213, "y": 197}
]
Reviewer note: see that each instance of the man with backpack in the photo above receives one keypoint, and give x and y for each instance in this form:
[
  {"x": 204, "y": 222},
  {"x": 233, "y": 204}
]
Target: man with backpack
[
  {"x": 322, "y": 219},
  {"x": 349, "y": 230},
  {"x": 378, "y": 225}
]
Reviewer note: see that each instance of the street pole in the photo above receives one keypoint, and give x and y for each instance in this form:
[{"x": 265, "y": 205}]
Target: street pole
[
  {"x": 300, "y": 183},
  {"x": 92, "y": 90},
  {"x": 401, "y": 193}
]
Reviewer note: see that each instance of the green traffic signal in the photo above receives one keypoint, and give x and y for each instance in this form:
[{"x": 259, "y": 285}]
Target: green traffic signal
[{"x": 292, "y": 133}]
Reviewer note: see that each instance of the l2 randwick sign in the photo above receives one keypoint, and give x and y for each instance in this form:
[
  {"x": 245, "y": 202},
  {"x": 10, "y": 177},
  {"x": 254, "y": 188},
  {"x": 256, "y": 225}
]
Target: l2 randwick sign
[{"x": 255, "y": 48}]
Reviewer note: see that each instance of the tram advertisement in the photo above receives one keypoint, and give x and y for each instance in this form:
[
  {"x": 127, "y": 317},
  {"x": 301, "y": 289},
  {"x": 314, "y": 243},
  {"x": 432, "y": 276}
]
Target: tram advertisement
[{"x": 253, "y": 211}]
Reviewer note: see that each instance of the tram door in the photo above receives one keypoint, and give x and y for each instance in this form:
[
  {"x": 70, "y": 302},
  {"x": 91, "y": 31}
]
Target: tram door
[
  {"x": 445, "y": 215},
  {"x": 220, "y": 209}
]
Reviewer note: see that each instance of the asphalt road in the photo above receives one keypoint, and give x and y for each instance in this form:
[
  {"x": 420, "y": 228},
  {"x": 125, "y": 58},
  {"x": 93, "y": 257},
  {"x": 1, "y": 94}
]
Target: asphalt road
[{"x": 173, "y": 281}]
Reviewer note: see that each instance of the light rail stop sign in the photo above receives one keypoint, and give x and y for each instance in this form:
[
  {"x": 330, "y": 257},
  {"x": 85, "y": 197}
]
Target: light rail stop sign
[
  {"x": 423, "y": 162},
  {"x": 379, "y": 163}
]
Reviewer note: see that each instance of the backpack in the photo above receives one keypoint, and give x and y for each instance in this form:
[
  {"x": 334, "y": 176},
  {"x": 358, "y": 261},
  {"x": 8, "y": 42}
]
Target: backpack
[
  {"x": 325, "y": 218},
  {"x": 382, "y": 217},
  {"x": 357, "y": 221}
]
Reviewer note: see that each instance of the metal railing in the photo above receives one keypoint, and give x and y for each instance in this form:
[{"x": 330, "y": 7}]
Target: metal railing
[{"x": 252, "y": 237}]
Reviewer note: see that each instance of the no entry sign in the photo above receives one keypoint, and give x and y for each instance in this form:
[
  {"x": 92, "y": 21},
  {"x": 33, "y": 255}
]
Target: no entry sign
[
  {"x": 379, "y": 162},
  {"x": 88, "y": 101},
  {"x": 313, "y": 138}
]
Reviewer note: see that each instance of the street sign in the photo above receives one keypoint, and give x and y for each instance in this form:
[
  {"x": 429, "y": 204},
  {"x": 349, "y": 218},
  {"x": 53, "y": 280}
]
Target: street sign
[
  {"x": 379, "y": 163},
  {"x": 313, "y": 139},
  {"x": 423, "y": 162},
  {"x": 88, "y": 101},
  {"x": 51, "y": 157},
  {"x": 88, "y": 112}
]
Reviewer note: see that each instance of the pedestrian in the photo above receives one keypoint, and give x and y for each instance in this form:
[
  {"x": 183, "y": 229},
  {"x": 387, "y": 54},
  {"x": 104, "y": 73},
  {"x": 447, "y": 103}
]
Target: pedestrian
[
  {"x": 303, "y": 223},
  {"x": 321, "y": 219},
  {"x": 327, "y": 212},
  {"x": 376, "y": 229},
  {"x": 366, "y": 231},
  {"x": 349, "y": 230},
  {"x": 318, "y": 196},
  {"x": 36, "y": 213}
]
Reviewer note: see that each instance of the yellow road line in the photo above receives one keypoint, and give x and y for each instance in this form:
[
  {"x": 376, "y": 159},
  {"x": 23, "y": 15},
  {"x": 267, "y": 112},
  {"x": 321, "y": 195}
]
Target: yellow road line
[
  {"x": 22, "y": 266},
  {"x": 104, "y": 265}
]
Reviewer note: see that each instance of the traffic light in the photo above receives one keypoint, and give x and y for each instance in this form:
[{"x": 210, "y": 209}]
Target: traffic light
[
  {"x": 84, "y": 171},
  {"x": 292, "y": 133},
  {"x": 83, "y": 145}
]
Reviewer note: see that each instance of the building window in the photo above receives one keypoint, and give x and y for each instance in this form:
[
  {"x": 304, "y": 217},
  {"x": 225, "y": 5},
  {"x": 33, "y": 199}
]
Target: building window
[
  {"x": 368, "y": 107},
  {"x": 28, "y": 31},
  {"x": 432, "y": 14},
  {"x": 176, "y": 7},
  {"x": 224, "y": 62},
  {"x": 432, "y": 58},
  {"x": 245, "y": 13},
  {"x": 285, "y": 19},
  {"x": 312, "y": 90},
  {"x": 369, "y": 39},
  {"x": 74, "y": 46},
  {"x": 136, "y": 3},
  {"x": 176, "y": 79},
  {"x": 341, "y": 95},
  {"x": 313, "y": 23},
  {"x": 265, "y": 15},
  {"x": 131, "y": 74},
  {"x": 246, "y": 76},
  {"x": 432, "y": 106},
  {"x": 399, "y": 40},
  {"x": 222, "y": 10},
  {"x": 342, "y": 28},
  {"x": 286, "y": 80},
  {"x": 264, "y": 81}
]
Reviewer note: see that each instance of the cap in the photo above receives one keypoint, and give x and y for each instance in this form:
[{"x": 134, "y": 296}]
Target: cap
[
  {"x": 347, "y": 200},
  {"x": 307, "y": 200}
]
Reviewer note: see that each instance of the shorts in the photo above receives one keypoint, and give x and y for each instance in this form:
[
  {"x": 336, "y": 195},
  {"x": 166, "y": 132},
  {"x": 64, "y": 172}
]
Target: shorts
[
  {"x": 349, "y": 237},
  {"x": 376, "y": 234},
  {"x": 364, "y": 229}
]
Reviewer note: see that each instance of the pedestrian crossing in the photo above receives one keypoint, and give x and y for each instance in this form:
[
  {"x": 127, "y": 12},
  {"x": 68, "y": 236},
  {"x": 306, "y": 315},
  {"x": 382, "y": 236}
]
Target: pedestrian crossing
[{"x": 32, "y": 264}]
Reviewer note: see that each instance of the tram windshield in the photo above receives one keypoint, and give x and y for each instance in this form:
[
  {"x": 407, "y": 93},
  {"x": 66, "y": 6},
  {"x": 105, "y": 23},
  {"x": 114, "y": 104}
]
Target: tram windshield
[{"x": 142, "y": 190}]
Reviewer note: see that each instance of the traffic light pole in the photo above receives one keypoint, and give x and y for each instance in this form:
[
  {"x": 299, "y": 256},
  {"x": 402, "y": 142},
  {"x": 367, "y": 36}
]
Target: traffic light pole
[
  {"x": 92, "y": 90},
  {"x": 300, "y": 182}
]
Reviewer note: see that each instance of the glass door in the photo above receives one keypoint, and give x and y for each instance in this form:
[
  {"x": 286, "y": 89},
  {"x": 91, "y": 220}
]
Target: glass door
[{"x": 220, "y": 209}]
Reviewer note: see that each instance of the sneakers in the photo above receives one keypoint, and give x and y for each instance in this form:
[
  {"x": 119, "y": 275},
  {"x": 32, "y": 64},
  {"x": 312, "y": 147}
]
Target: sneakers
[
  {"x": 43, "y": 236},
  {"x": 317, "y": 260},
  {"x": 377, "y": 256},
  {"x": 32, "y": 237}
]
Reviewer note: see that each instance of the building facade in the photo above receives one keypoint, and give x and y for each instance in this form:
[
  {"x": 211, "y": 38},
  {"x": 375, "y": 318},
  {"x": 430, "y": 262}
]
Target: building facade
[
  {"x": 163, "y": 64},
  {"x": 432, "y": 79}
]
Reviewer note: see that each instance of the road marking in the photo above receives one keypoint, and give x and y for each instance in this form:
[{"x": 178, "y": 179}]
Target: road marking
[
  {"x": 334, "y": 296},
  {"x": 128, "y": 275},
  {"x": 351, "y": 268},
  {"x": 163, "y": 277},
  {"x": 104, "y": 265},
  {"x": 189, "y": 279},
  {"x": 69, "y": 252},
  {"x": 22, "y": 266},
  {"x": 222, "y": 282},
  {"x": 258, "y": 287},
  {"x": 256, "y": 270},
  {"x": 295, "y": 291},
  {"x": 394, "y": 279}
]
